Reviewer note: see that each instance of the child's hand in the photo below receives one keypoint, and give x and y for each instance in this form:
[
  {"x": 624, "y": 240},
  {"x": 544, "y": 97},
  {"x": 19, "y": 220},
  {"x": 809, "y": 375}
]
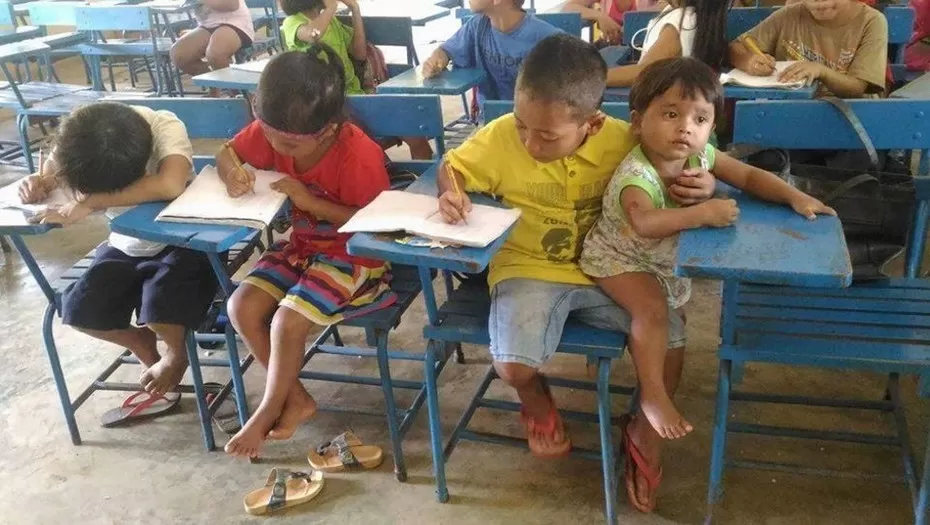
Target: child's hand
[
  {"x": 239, "y": 181},
  {"x": 64, "y": 215},
  {"x": 760, "y": 65},
  {"x": 695, "y": 185},
  {"x": 810, "y": 207},
  {"x": 454, "y": 206},
  {"x": 435, "y": 65},
  {"x": 610, "y": 28},
  {"x": 803, "y": 70},
  {"x": 351, "y": 4},
  {"x": 34, "y": 189},
  {"x": 719, "y": 213},
  {"x": 294, "y": 189}
]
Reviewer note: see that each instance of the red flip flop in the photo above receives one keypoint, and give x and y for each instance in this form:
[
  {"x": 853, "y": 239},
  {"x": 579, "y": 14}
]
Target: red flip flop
[
  {"x": 636, "y": 461},
  {"x": 547, "y": 428},
  {"x": 139, "y": 406}
]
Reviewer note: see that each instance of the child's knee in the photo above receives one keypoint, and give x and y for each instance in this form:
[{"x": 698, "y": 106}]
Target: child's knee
[
  {"x": 240, "y": 308},
  {"x": 290, "y": 324},
  {"x": 217, "y": 58},
  {"x": 515, "y": 374}
]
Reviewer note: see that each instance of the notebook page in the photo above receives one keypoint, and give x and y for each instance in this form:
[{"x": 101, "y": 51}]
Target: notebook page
[
  {"x": 484, "y": 225},
  {"x": 392, "y": 211},
  {"x": 9, "y": 198},
  {"x": 206, "y": 201},
  {"x": 255, "y": 66},
  {"x": 741, "y": 78}
]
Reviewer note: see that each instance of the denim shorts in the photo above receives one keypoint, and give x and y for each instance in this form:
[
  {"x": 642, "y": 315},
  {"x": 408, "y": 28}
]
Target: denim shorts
[{"x": 528, "y": 315}]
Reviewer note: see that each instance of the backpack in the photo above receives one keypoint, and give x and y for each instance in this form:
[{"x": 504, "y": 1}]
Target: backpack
[
  {"x": 917, "y": 52},
  {"x": 373, "y": 70}
]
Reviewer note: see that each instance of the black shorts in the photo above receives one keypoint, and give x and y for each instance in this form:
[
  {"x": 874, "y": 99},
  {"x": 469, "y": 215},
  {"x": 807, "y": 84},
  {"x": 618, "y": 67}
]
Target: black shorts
[
  {"x": 176, "y": 286},
  {"x": 243, "y": 38}
]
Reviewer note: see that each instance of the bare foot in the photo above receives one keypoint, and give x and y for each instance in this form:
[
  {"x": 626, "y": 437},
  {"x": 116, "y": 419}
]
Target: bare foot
[
  {"x": 298, "y": 409},
  {"x": 547, "y": 437},
  {"x": 164, "y": 376},
  {"x": 247, "y": 443},
  {"x": 146, "y": 350},
  {"x": 663, "y": 416}
]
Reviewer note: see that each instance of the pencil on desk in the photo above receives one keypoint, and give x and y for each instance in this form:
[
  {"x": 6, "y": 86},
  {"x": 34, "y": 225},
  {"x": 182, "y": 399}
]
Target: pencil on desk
[
  {"x": 235, "y": 158},
  {"x": 455, "y": 187}
]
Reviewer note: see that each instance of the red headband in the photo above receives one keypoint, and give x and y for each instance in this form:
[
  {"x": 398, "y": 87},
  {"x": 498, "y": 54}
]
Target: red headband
[{"x": 268, "y": 128}]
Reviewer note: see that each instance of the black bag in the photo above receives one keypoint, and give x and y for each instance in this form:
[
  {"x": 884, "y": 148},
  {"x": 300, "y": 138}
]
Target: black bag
[{"x": 874, "y": 205}]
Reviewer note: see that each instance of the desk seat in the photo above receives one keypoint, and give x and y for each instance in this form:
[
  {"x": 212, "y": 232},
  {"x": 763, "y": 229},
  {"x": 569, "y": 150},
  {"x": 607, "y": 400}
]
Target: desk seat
[
  {"x": 35, "y": 92},
  {"x": 464, "y": 319},
  {"x": 878, "y": 325}
]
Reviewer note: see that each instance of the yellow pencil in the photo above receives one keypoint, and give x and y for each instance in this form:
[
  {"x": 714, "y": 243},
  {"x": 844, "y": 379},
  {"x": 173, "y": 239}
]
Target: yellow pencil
[
  {"x": 751, "y": 44},
  {"x": 455, "y": 186},
  {"x": 235, "y": 158}
]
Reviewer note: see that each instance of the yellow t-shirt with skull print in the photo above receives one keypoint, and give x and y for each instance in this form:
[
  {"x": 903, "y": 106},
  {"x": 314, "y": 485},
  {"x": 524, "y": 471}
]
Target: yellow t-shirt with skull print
[{"x": 560, "y": 201}]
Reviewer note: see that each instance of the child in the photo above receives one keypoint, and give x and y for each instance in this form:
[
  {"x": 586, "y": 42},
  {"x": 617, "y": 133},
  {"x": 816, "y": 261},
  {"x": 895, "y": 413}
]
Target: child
[
  {"x": 552, "y": 159},
  {"x": 684, "y": 28},
  {"x": 113, "y": 155},
  {"x": 332, "y": 169},
  {"x": 496, "y": 39},
  {"x": 608, "y": 15},
  {"x": 630, "y": 252},
  {"x": 310, "y": 21},
  {"x": 843, "y": 44},
  {"x": 223, "y": 28}
]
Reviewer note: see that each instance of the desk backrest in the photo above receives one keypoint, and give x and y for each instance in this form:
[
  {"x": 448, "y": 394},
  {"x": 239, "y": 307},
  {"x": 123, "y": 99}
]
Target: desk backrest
[
  {"x": 115, "y": 18},
  {"x": 51, "y": 14},
  {"x": 493, "y": 109},
  {"x": 389, "y": 31},
  {"x": 399, "y": 116},
  {"x": 571, "y": 23},
  {"x": 7, "y": 14}
]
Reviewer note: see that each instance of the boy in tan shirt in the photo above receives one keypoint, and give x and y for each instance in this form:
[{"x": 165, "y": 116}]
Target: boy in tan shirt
[{"x": 843, "y": 44}]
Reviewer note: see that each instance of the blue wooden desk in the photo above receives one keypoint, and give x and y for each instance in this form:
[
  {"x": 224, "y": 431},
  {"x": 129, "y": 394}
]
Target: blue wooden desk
[
  {"x": 917, "y": 89},
  {"x": 228, "y": 78},
  {"x": 732, "y": 92},
  {"x": 451, "y": 82},
  {"x": 770, "y": 244}
]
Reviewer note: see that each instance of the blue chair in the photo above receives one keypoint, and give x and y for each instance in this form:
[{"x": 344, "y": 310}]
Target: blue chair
[
  {"x": 877, "y": 326},
  {"x": 205, "y": 119},
  {"x": 739, "y": 20},
  {"x": 390, "y": 32},
  {"x": 265, "y": 15},
  {"x": 16, "y": 32},
  {"x": 387, "y": 115},
  {"x": 463, "y": 318}
]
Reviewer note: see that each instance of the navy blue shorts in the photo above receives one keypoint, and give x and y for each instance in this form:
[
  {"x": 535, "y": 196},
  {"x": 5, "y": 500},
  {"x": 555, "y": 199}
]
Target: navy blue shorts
[{"x": 175, "y": 287}]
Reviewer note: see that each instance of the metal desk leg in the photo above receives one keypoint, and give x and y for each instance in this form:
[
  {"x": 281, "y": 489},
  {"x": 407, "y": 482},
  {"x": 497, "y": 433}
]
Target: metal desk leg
[{"x": 232, "y": 348}]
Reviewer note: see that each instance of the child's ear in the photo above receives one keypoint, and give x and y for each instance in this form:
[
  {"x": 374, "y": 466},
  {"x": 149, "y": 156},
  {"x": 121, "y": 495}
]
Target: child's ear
[
  {"x": 596, "y": 122},
  {"x": 636, "y": 121}
]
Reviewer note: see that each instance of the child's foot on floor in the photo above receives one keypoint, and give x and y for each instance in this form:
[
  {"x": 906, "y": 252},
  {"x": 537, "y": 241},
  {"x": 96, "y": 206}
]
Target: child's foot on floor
[
  {"x": 247, "y": 443},
  {"x": 298, "y": 409},
  {"x": 165, "y": 375},
  {"x": 664, "y": 417}
]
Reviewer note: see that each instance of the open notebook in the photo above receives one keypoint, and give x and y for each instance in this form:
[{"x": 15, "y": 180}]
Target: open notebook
[
  {"x": 255, "y": 66},
  {"x": 14, "y": 213},
  {"x": 205, "y": 202},
  {"x": 419, "y": 215},
  {"x": 741, "y": 78}
]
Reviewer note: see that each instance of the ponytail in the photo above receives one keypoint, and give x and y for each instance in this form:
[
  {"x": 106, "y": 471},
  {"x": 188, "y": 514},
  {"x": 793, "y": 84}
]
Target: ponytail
[{"x": 710, "y": 39}]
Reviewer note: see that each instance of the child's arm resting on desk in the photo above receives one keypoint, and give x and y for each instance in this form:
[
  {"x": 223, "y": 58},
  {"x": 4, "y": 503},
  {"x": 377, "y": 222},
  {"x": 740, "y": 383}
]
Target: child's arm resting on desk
[
  {"x": 458, "y": 49},
  {"x": 36, "y": 188},
  {"x": 767, "y": 186},
  {"x": 656, "y": 223}
]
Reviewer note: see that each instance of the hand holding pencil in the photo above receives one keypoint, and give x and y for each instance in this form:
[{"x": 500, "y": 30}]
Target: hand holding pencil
[
  {"x": 760, "y": 64},
  {"x": 454, "y": 204},
  {"x": 239, "y": 180}
]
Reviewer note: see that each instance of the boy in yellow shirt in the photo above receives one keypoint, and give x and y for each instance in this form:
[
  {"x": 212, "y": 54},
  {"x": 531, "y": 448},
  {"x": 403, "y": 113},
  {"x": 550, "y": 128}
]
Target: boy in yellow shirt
[{"x": 552, "y": 158}]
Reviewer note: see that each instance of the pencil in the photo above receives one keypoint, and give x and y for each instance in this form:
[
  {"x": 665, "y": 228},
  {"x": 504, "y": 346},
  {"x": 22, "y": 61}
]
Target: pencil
[
  {"x": 751, "y": 44},
  {"x": 235, "y": 158},
  {"x": 455, "y": 186},
  {"x": 41, "y": 163}
]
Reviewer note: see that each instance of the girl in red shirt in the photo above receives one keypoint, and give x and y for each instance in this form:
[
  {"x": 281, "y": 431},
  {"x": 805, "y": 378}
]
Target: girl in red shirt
[{"x": 333, "y": 169}]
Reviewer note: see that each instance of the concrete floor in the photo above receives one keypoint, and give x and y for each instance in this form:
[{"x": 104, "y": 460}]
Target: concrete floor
[{"x": 158, "y": 472}]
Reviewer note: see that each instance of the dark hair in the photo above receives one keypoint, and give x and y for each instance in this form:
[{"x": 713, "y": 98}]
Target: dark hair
[
  {"x": 710, "y": 35},
  {"x": 103, "y": 148},
  {"x": 293, "y": 7},
  {"x": 694, "y": 77},
  {"x": 302, "y": 91},
  {"x": 563, "y": 68}
]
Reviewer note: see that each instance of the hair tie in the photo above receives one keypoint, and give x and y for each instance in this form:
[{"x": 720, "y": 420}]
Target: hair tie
[{"x": 268, "y": 128}]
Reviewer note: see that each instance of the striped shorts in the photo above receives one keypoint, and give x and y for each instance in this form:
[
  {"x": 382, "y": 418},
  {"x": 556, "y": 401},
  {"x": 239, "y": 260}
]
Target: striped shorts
[{"x": 322, "y": 289}]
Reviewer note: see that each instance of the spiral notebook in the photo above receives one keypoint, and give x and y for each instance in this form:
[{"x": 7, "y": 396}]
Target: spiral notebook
[
  {"x": 741, "y": 78},
  {"x": 205, "y": 201},
  {"x": 419, "y": 215}
]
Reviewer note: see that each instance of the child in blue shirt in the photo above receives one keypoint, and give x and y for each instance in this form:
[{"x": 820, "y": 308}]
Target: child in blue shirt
[{"x": 496, "y": 39}]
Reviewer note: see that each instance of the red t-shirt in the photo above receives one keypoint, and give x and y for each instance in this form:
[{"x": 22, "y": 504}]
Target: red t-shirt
[{"x": 352, "y": 173}]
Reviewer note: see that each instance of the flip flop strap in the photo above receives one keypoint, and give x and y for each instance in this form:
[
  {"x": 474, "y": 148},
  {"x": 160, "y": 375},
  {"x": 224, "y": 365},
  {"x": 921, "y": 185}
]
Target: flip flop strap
[
  {"x": 343, "y": 450},
  {"x": 653, "y": 476},
  {"x": 141, "y": 407},
  {"x": 278, "y": 496}
]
